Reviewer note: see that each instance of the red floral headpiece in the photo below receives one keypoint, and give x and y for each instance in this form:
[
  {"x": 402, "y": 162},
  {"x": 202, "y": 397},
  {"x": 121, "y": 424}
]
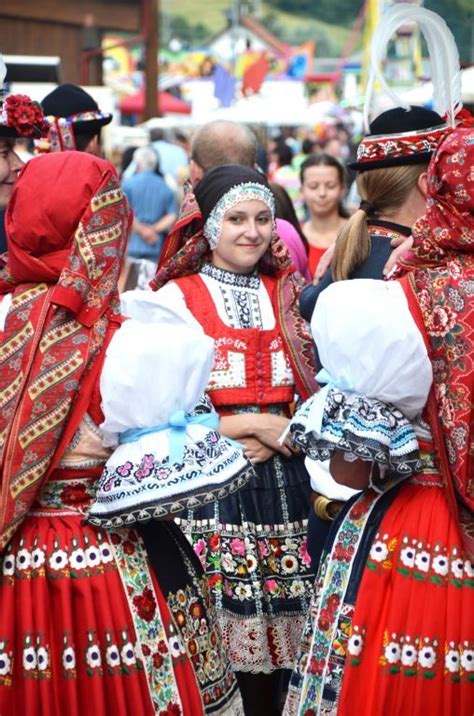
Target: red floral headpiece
[{"x": 24, "y": 116}]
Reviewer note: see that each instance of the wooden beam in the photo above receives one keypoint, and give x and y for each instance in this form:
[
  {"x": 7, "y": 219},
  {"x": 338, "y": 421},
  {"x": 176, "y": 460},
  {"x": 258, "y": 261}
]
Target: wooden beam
[
  {"x": 105, "y": 14},
  {"x": 150, "y": 27}
]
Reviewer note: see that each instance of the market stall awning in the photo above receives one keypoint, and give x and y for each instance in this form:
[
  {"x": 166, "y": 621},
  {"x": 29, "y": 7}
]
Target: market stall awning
[{"x": 166, "y": 103}]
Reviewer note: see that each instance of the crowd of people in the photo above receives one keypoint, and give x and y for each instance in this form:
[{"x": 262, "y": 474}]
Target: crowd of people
[{"x": 237, "y": 428}]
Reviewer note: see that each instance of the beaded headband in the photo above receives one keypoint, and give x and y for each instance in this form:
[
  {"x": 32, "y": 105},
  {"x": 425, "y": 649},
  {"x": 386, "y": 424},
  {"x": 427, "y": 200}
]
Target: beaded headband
[
  {"x": 247, "y": 191},
  {"x": 386, "y": 147}
]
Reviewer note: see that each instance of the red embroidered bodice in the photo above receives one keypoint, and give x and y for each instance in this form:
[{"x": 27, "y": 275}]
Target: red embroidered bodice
[{"x": 250, "y": 364}]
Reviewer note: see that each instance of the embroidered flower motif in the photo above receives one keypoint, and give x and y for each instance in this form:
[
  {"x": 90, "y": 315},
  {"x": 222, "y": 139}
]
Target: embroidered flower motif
[
  {"x": 271, "y": 586},
  {"x": 392, "y": 652},
  {"x": 37, "y": 558},
  {"x": 171, "y": 710},
  {"x": 214, "y": 542},
  {"x": 379, "y": 551},
  {"x": 407, "y": 557},
  {"x": 200, "y": 549},
  {"x": 297, "y": 588},
  {"x": 69, "y": 658},
  {"x": 127, "y": 653},
  {"x": 355, "y": 644},
  {"x": 23, "y": 559},
  {"x": 237, "y": 546},
  {"x": 157, "y": 660},
  {"x": 251, "y": 563},
  {"x": 92, "y": 556},
  {"x": 29, "y": 658},
  {"x": 468, "y": 568},
  {"x": 174, "y": 646},
  {"x": 42, "y": 657},
  {"x": 289, "y": 564},
  {"x": 8, "y": 566},
  {"x": 304, "y": 554},
  {"x": 145, "y": 604},
  {"x": 452, "y": 661},
  {"x": 457, "y": 568},
  {"x": 228, "y": 564},
  {"x": 77, "y": 560},
  {"x": 5, "y": 664},
  {"x": 58, "y": 560},
  {"x": 409, "y": 655},
  {"x": 128, "y": 547},
  {"x": 467, "y": 659},
  {"x": 112, "y": 655},
  {"x": 243, "y": 591},
  {"x": 440, "y": 565},
  {"x": 93, "y": 656},
  {"x": 106, "y": 553},
  {"x": 289, "y": 545},
  {"x": 422, "y": 560},
  {"x": 125, "y": 469},
  {"x": 426, "y": 657}
]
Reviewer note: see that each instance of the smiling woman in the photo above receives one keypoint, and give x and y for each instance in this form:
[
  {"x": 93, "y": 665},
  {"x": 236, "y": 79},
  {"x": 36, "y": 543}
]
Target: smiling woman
[{"x": 231, "y": 274}]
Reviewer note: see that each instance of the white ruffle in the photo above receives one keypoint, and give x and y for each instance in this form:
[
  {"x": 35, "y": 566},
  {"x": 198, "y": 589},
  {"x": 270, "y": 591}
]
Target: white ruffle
[{"x": 368, "y": 342}]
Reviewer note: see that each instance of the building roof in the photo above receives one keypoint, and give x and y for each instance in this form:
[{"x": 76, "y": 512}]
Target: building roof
[{"x": 253, "y": 25}]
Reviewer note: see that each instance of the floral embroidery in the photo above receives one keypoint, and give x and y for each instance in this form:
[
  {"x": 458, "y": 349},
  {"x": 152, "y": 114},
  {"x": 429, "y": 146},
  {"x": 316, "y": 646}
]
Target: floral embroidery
[{"x": 131, "y": 559}]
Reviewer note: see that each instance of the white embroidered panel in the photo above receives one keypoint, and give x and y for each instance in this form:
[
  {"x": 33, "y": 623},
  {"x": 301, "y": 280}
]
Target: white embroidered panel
[
  {"x": 231, "y": 374},
  {"x": 281, "y": 369}
]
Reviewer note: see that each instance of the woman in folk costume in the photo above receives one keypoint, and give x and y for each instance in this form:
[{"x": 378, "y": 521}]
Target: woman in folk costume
[
  {"x": 392, "y": 161},
  {"x": 391, "y": 628},
  {"x": 85, "y": 625},
  {"x": 225, "y": 268}
]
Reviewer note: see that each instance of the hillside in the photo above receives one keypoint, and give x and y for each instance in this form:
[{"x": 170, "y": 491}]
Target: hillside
[
  {"x": 183, "y": 20},
  {"x": 294, "y": 21}
]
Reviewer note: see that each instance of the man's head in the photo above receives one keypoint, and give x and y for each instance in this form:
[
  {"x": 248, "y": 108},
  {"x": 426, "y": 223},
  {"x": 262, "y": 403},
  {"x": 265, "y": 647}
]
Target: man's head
[
  {"x": 222, "y": 142},
  {"x": 75, "y": 120},
  {"x": 145, "y": 159}
]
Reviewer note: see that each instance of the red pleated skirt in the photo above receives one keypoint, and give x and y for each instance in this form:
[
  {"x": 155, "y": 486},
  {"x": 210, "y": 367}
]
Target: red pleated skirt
[
  {"x": 411, "y": 649},
  {"x": 84, "y": 627}
]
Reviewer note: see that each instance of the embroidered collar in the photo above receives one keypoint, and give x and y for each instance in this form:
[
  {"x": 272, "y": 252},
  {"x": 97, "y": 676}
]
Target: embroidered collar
[
  {"x": 391, "y": 226},
  {"x": 238, "y": 280}
]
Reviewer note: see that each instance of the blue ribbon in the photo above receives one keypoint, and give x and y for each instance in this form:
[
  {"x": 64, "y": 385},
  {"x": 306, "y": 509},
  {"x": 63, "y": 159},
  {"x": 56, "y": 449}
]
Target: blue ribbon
[{"x": 177, "y": 426}]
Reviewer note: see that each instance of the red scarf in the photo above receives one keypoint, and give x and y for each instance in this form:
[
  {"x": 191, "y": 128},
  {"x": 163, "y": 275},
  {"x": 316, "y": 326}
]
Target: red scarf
[
  {"x": 67, "y": 228},
  {"x": 442, "y": 283},
  {"x": 186, "y": 249}
]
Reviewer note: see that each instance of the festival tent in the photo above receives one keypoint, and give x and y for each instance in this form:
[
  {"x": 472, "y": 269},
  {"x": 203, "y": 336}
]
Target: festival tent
[{"x": 166, "y": 103}]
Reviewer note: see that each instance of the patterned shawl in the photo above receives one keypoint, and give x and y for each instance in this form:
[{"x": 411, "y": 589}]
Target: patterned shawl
[
  {"x": 67, "y": 227},
  {"x": 442, "y": 282},
  {"x": 186, "y": 250}
]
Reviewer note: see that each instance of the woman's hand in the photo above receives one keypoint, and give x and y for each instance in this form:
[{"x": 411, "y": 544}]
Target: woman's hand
[
  {"x": 268, "y": 429},
  {"x": 265, "y": 427},
  {"x": 256, "y": 451},
  {"x": 400, "y": 246}
]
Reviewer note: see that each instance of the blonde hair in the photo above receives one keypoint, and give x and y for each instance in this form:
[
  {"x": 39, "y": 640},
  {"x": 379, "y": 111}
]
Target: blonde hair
[{"x": 385, "y": 190}]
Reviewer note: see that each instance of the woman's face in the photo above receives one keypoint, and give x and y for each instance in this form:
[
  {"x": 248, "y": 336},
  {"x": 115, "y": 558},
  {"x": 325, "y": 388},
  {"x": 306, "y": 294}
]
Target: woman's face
[
  {"x": 322, "y": 190},
  {"x": 245, "y": 236},
  {"x": 10, "y": 165}
]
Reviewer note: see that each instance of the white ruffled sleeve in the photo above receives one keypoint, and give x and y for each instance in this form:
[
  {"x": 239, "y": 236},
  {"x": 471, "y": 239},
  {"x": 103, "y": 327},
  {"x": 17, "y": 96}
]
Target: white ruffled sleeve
[
  {"x": 166, "y": 305},
  {"x": 151, "y": 371},
  {"x": 369, "y": 343}
]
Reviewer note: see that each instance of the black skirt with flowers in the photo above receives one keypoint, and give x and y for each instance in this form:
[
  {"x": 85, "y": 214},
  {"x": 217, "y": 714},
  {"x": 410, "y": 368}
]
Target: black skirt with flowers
[{"x": 252, "y": 545}]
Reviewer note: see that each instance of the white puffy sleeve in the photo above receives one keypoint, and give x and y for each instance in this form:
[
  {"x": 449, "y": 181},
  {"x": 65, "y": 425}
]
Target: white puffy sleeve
[
  {"x": 152, "y": 370},
  {"x": 166, "y": 305},
  {"x": 368, "y": 343}
]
